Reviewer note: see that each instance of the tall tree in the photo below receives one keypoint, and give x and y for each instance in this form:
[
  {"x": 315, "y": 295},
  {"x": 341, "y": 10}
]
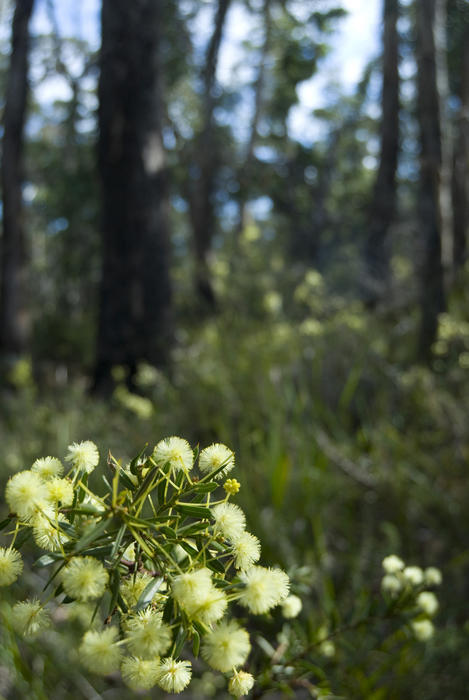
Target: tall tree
[
  {"x": 14, "y": 317},
  {"x": 135, "y": 303},
  {"x": 383, "y": 203},
  {"x": 428, "y": 108},
  {"x": 206, "y": 163},
  {"x": 458, "y": 40},
  {"x": 259, "y": 106},
  {"x": 443, "y": 85}
]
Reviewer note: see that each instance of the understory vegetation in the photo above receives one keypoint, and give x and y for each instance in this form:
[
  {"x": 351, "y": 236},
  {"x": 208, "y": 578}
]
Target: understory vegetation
[{"x": 346, "y": 452}]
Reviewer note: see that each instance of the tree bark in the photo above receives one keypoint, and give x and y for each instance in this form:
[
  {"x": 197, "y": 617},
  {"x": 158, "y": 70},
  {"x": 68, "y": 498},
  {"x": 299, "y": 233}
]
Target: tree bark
[
  {"x": 432, "y": 291},
  {"x": 442, "y": 80},
  {"x": 460, "y": 174},
  {"x": 383, "y": 205},
  {"x": 135, "y": 297},
  {"x": 202, "y": 187},
  {"x": 14, "y": 316},
  {"x": 259, "y": 89}
]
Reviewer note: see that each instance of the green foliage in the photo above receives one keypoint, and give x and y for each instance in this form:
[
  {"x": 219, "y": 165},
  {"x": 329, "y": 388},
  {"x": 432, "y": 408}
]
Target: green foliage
[
  {"x": 148, "y": 562},
  {"x": 348, "y": 453}
]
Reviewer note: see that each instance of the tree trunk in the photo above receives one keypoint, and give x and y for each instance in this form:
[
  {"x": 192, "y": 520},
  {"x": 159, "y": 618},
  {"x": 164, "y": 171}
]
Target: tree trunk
[
  {"x": 135, "y": 302},
  {"x": 14, "y": 316},
  {"x": 383, "y": 204},
  {"x": 432, "y": 294},
  {"x": 259, "y": 97},
  {"x": 442, "y": 81},
  {"x": 202, "y": 187},
  {"x": 460, "y": 175}
]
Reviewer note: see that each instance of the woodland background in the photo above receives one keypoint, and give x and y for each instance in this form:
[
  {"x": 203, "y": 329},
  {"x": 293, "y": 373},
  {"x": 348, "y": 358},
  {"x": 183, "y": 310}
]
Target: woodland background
[{"x": 174, "y": 261}]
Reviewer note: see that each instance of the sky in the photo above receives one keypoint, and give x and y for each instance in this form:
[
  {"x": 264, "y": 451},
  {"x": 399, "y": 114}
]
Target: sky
[{"x": 354, "y": 42}]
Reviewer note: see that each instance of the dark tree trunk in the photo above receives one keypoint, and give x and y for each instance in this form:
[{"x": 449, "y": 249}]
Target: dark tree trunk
[
  {"x": 14, "y": 316},
  {"x": 135, "y": 304},
  {"x": 383, "y": 204},
  {"x": 460, "y": 175},
  {"x": 442, "y": 81},
  {"x": 432, "y": 293},
  {"x": 202, "y": 187},
  {"x": 259, "y": 89}
]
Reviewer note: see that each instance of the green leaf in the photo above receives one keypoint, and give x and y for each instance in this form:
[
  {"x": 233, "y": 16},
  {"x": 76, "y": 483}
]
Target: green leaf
[
  {"x": 98, "y": 552},
  {"x": 265, "y": 645},
  {"x": 168, "y": 611},
  {"x": 5, "y": 523},
  {"x": 96, "y": 610},
  {"x": 115, "y": 588},
  {"x": 216, "y": 565},
  {"x": 74, "y": 504},
  {"x": 82, "y": 492},
  {"x": 47, "y": 560},
  {"x": 83, "y": 510},
  {"x": 135, "y": 461},
  {"x": 122, "y": 603},
  {"x": 118, "y": 540},
  {"x": 179, "y": 642},
  {"x": 160, "y": 492},
  {"x": 52, "y": 577},
  {"x": 149, "y": 592},
  {"x": 198, "y": 627},
  {"x": 92, "y": 534},
  {"x": 145, "y": 483},
  {"x": 67, "y": 600},
  {"x": 226, "y": 585},
  {"x": 191, "y": 529},
  {"x": 193, "y": 510},
  {"x": 168, "y": 531},
  {"x": 206, "y": 487},
  {"x": 23, "y": 537},
  {"x": 219, "y": 547},
  {"x": 67, "y": 528},
  {"x": 188, "y": 548},
  {"x": 139, "y": 523},
  {"x": 195, "y": 643},
  {"x": 128, "y": 483},
  {"x": 198, "y": 497}
]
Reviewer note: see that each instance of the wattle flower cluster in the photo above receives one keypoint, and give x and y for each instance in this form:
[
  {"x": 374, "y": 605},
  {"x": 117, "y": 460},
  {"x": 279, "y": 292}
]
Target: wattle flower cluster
[
  {"x": 151, "y": 565},
  {"x": 410, "y": 582}
]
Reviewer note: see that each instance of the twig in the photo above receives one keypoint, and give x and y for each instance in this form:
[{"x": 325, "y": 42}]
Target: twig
[{"x": 345, "y": 464}]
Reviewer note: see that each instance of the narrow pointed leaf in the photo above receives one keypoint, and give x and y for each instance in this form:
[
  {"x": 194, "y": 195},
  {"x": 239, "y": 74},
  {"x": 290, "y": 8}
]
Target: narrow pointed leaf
[
  {"x": 179, "y": 642},
  {"x": 216, "y": 565},
  {"x": 206, "y": 487},
  {"x": 118, "y": 540},
  {"x": 46, "y": 560},
  {"x": 195, "y": 643},
  {"x": 135, "y": 461},
  {"x": 5, "y": 523},
  {"x": 193, "y": 510},
  {"x": 92, "y": 534},
  {"x": 148, "y": 594}
]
